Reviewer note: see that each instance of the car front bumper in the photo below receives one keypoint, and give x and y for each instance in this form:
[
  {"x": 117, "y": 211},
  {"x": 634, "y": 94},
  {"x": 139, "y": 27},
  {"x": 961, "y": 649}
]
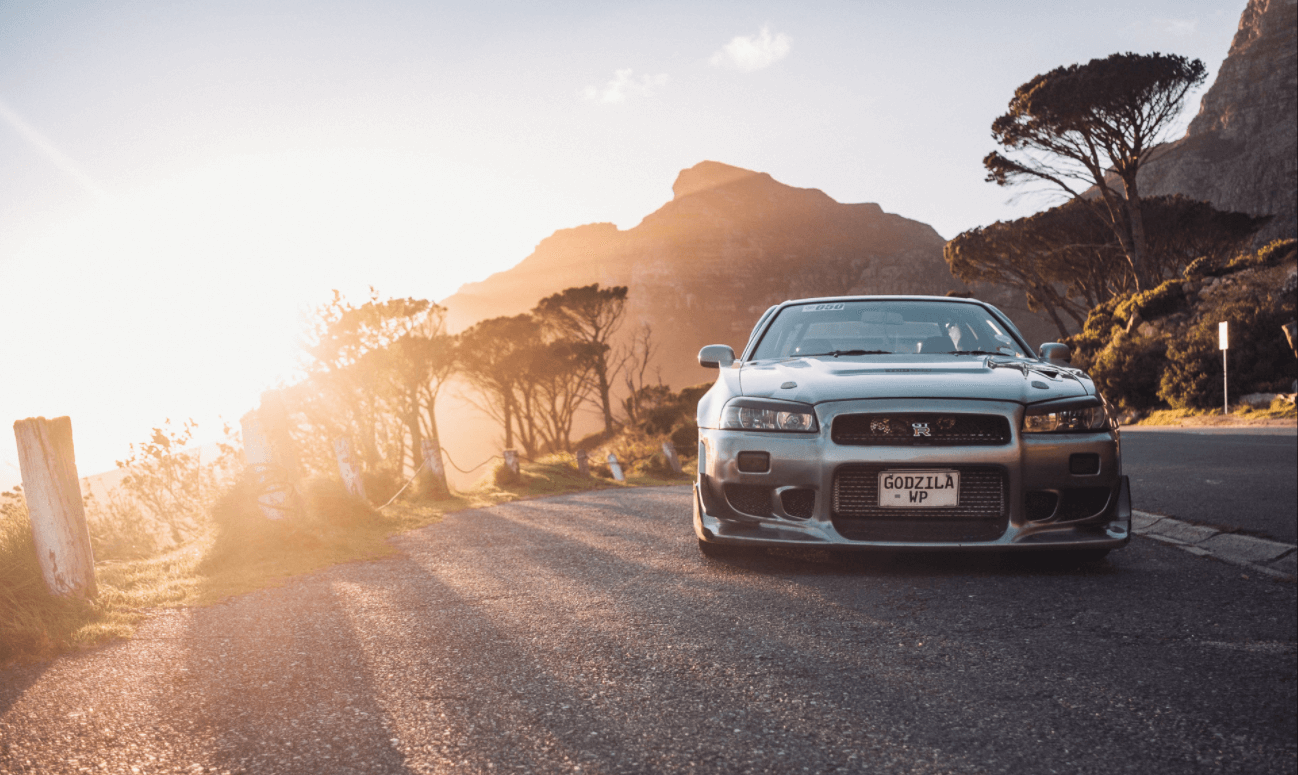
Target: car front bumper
[{"x": 1029, "y": 466}]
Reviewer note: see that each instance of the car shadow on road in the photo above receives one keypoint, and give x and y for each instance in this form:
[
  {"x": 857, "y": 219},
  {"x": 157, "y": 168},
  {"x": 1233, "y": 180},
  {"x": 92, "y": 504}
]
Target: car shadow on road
[{"x": 933, "y": 564}]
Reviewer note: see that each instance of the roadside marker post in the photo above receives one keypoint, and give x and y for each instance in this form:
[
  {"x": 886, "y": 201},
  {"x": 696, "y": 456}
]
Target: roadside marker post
[
  {"x": 614, "y": 468},
  {"x": 52, "y": 491},
  {"x": 1223, "y": 342}
]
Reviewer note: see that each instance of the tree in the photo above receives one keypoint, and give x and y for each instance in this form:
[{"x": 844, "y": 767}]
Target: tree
[
  {"x": 492, "y": 355},
  {"x": 590, "y": 315},
  {"x": 634, "y": 367},
  {"x": 374, "y": 373},
  {"x": 1066, "y": 262},
  {"x": 1075, "y": 125}
]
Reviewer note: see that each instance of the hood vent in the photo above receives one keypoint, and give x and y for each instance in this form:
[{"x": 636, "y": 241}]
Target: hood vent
[{"x": 912, "y": 429}]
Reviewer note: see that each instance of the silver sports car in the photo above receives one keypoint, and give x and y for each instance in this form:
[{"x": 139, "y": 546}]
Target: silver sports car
[{"x": 904, "y": 422}]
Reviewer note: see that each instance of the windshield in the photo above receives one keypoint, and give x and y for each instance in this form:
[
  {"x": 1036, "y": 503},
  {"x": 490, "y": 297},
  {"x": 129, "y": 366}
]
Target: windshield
[{"x": 879, "y": 327}]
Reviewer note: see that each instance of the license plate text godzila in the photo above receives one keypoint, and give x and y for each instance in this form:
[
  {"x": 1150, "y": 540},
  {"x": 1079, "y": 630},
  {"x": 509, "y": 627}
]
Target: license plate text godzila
[{"x": 919, "y": 489}]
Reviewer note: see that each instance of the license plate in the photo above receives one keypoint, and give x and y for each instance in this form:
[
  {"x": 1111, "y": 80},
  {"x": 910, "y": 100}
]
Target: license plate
[{"x": 913, "y": 489}]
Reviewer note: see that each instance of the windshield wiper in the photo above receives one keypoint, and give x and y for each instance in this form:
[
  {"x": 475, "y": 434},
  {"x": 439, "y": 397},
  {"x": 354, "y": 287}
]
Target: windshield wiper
[
  {"x": 836, "y": 353},
  {"x": 972, "y": 352}
]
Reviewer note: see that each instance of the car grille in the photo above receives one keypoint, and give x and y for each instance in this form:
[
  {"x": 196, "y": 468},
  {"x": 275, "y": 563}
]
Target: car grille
[
  {"x": 982, "y": 515},
  {"x": 926, "y": 429}
]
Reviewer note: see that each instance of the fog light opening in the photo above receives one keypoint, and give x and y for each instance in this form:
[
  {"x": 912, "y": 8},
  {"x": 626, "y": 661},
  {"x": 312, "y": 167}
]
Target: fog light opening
[
  {"x": 754, "y": 462},
  {"x": 1084, "y": 464}
]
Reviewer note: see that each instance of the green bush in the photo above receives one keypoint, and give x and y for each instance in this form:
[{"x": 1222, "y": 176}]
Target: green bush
[
  {"x": 1204, "y": 266},
  {"x": 1260, "y": 358},
  {"x": 686, "y": 439},
  {"x": 1269, "y": 255},
  {"x": 1153, "y": 303},
  {"x": 1127, "y": 371},
  {"x": 1100, "y": 327}
]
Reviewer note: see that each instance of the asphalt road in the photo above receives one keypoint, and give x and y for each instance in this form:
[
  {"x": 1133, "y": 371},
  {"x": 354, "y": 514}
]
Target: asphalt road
[
  {"x": 1244, "y": 478},
  {"x": 587, "y": 634}
]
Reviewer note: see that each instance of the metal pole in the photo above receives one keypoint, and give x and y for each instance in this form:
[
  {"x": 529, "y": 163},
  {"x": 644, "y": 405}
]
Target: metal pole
[{"x": 1225, "y": 385}]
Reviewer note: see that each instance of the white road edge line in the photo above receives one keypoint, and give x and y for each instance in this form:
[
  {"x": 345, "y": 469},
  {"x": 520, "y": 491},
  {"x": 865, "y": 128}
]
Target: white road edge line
[{"x": 1257, "y": 554}]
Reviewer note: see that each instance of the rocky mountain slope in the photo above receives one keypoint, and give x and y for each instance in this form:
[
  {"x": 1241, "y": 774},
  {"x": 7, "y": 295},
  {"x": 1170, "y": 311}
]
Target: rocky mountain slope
[
  {"x": 730, "y": 243},
  {"x": 1239, "y": 151}
]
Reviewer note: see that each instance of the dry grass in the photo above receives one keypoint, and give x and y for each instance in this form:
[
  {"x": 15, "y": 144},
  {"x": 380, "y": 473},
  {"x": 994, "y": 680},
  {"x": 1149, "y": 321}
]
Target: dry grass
[
  {"x": 1280, "y": 412},
  {"x": 240, "y": 551}
]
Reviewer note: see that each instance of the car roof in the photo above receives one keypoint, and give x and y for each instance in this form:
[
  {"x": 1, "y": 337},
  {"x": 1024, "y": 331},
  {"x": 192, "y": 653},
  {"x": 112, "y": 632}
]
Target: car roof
[{"x": 889, "y": 297}]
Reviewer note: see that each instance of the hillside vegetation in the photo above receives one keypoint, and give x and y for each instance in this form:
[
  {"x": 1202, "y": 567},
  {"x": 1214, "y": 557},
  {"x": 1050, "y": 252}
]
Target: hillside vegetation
[{"x": 1159, "y": 348}]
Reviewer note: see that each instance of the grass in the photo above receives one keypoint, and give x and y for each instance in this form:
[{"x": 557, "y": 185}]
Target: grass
[
  {"x": 1278, "y": 410},
  {"x": 242, "y": 551}
]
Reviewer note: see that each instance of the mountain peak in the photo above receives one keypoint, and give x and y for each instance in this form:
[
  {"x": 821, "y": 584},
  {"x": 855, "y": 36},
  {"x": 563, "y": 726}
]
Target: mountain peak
[{"x": 708, "y": 175}]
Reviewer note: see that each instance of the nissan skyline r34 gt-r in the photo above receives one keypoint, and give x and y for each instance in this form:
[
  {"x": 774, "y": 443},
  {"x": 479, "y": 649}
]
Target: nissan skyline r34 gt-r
[{"x": 904, "y": 422}]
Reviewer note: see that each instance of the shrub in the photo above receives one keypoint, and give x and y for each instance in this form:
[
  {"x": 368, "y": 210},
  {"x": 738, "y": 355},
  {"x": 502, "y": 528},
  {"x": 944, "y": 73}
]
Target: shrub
[
  {"x": 686, "y": 439},
  {"x": 381, "y": 484},
  {"x": 1260, "y": 358},
  {"x": 1153, "y": 303},
  {"x": 504, "y": 476},
  {"x": 1271, "y": 254},
  {"x": 1128, "y": 370},
  {"x": 1205, "y": 266}
]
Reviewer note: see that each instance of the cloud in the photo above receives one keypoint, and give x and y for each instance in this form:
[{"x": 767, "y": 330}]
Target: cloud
[
  {"x": 1180, "y": 27},
  {"x": 623, "y": 85},
  {"x": 753, "y": 52}
]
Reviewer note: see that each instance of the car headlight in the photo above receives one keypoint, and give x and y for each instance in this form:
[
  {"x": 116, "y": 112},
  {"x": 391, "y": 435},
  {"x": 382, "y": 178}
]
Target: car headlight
[
  {"x": 747, "y": 414},
  {"x": 1046, "y": 419}
]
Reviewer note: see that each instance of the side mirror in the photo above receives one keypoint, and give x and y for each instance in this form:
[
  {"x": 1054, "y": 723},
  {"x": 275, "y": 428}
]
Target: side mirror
[
  {"x": 1056, "y": 354},
  {"x": 714, "y": 356}
]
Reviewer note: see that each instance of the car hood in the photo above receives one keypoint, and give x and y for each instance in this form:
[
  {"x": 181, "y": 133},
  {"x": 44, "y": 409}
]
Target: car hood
[{"x": 818, "y": 379}]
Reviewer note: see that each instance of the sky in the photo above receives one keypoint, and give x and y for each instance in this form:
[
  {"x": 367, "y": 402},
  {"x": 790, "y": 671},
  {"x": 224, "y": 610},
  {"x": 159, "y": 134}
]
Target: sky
[{"x": 181, "y": 183}]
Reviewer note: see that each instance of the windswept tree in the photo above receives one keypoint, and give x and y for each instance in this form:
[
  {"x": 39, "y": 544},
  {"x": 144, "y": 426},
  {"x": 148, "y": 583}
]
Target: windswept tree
[
  {"x": 1080, "y": 126},
  {"x": 493, "y": 358},
  {"x": 589, "y": 315},
  {"x": 374, "y": 373}
]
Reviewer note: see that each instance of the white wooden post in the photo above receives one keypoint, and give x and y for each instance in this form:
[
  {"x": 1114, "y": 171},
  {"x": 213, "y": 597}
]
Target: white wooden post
[
  {"x": 433, "y": 477},
  {"x": 615, "y": 468},
  {"x": 583, "y": 462},
  {"x": 433, "y": 459},
  {"x": 58, "y": 515},
  {"x": 1223, "y": 341},
  {"x": 511, "y": 460},
  {"x": 260, "y": 456},
  {"x": 669, "y": 450},
  {"x": 349, "y": 467}
]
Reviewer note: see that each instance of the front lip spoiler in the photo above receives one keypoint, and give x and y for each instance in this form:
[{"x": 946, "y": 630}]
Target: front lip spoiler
[{"x": 1115, "y": 535}]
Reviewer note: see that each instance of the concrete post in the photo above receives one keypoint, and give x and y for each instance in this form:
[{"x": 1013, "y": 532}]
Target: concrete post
[
  {"x": 669, "y": 450},
  {"x": 511, "y": 460},
  {"x": 49, "y": 470},
  {"x": 615, "y": 468},
  {"x": 583, "y": 462},
  {"x": 275, "y": 495},
  {"x": 349, "y": 467}
]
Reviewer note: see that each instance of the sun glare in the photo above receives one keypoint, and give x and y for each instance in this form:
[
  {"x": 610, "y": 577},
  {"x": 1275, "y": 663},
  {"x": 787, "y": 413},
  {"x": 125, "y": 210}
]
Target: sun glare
[{"x": 188, "y": 298}]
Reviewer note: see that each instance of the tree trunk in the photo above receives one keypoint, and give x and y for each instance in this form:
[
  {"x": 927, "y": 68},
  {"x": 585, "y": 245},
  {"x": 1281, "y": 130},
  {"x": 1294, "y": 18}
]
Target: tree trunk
[
  {"x": 1136, "y": 218},
  {"x": 58, "y": 516},
  {"x": 601, "y": 371}
]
